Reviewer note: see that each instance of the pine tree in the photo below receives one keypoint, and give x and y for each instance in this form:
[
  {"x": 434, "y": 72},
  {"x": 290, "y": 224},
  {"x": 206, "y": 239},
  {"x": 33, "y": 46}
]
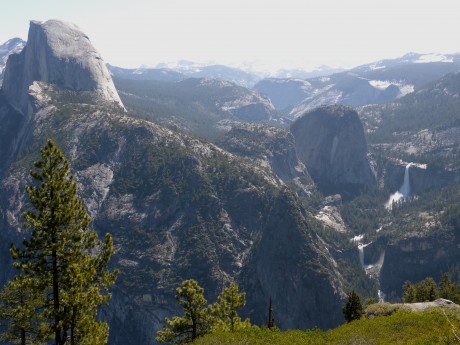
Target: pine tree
[
  {"x": 196, "y": 320},
  {"x": 64, "y": 257},
  {"x": 426, "y": 290},
  {"x": 447, "y": 288},
  {"x": 19, "y": 309},
  {"x": 353, "y": 310},
  {"x": 225, "y": 309},
  {"x": 410, "y": 293}
]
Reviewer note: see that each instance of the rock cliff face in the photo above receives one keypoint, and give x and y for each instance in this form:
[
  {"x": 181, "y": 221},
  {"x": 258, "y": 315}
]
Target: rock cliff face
[
  {"x": 415, "y": 258},
  {"x": 12, "y": 46},
  {"x": 270, "y": 146},
  {"x": 282, "y": 242},
  {"x": 57, "y": 53},
  {"x": 330, "y": 142}
]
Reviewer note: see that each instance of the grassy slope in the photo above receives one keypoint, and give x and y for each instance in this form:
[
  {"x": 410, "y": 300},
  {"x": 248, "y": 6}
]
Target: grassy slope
[{"x": 429, "y": 327}]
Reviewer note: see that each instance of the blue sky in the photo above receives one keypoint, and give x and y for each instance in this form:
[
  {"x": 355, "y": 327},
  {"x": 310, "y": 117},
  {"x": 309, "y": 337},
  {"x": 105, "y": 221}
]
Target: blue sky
[{"x": 271, "y": 34}]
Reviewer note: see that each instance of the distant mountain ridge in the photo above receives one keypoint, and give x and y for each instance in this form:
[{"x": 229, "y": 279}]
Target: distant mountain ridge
[
  {"x": 294, "y": 91},
  {"x": 144, "y": 73},
  {"x": 186, "y": 69},
  {"x": 196, "y": 105},
  {"x": 12, "y": 46},
  {"x": 375, "y": 83}
]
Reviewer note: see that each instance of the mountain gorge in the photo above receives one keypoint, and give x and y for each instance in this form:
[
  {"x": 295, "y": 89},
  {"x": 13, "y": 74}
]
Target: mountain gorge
[
  {"x": 176, "y": 206},
  {"x": 200, "y": 177}
]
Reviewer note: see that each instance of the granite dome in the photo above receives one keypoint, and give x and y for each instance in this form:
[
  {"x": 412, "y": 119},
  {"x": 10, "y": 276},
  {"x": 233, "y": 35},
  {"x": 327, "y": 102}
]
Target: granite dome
[{"x": 58, "y": 53}]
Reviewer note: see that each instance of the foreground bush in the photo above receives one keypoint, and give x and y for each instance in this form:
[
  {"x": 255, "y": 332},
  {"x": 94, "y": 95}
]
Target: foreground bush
[{"x": 383, "y": 309}]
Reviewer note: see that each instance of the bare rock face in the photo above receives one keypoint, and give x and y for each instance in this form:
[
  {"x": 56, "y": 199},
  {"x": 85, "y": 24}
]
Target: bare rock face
[
  {"x": 330, "y": 142},
  {"x": 57, "y": 53},
  {"x": 439, "y": 303},
  {"x": 418, "y": 256},
  {"x": 269, "y": 146},
  {"x": 12, "y": 46}
]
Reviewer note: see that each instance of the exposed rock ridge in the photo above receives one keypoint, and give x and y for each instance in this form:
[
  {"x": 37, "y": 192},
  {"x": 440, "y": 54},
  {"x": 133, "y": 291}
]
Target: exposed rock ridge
[
  {"x": 439, "y": 303},
  {"x": 269, "y": 146},
  {"x": 58, "y": 53},
  {"x": 12, "y": 46}
]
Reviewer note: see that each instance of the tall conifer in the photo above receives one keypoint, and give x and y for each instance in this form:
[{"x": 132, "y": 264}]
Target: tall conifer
[
  {"x": 353, "y": 309},
  {"x": 20, "y": 313},
  {"x": 196, "y": 320},
  {"x": 64, "y": 257},
  {"x": 226, "y": 307}
]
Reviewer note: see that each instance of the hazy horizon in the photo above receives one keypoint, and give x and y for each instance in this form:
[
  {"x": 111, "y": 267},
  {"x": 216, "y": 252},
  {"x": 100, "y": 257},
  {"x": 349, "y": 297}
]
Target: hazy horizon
[{"x": 265, "y": 35}]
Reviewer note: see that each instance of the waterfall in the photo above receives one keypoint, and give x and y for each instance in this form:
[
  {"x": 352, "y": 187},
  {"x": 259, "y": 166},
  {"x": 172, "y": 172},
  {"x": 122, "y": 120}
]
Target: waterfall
[
  {"x": 369, "y": 267},
  {"x": 405, "y": 188},
  {"x": 361, "y": 255},
  {"x": 404, "y": 191}
]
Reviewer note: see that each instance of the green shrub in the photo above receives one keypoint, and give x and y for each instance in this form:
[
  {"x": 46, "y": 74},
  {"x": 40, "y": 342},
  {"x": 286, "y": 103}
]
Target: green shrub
[
  {"x": 434, "y": 326},
  {"x": 383, "y": 309}
]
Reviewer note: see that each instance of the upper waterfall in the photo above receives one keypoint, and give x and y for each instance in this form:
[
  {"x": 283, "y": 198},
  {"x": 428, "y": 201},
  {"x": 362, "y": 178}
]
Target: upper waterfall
[
  {"x": 405, "y": 188},
  {"x": 404, "y": 191}
]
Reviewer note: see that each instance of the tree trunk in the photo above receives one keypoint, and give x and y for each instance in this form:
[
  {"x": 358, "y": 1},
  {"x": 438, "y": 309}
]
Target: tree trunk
[
  {"x": 23, "y": 336},
  {"x": 57, "y": 330},
  {"x": 193, "y": 328},
  {"x": 232, "y": 317},
  {"x": 72, "y": 328}
]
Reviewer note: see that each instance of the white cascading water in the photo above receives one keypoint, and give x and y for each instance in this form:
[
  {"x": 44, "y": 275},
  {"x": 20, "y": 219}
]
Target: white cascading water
[
  {"x": 361, "y": 254},
  {"x": 372, "y": 269},
  {"x": 405, "y": 188},
  {"x": 404, "y": 191},
  {"x": 402, "y": 194}
]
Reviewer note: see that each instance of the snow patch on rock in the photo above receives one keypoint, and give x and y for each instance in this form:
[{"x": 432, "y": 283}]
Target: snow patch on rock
[
  {"x": 433, "y": 58},
  {"x": 381, "y": 85}
]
